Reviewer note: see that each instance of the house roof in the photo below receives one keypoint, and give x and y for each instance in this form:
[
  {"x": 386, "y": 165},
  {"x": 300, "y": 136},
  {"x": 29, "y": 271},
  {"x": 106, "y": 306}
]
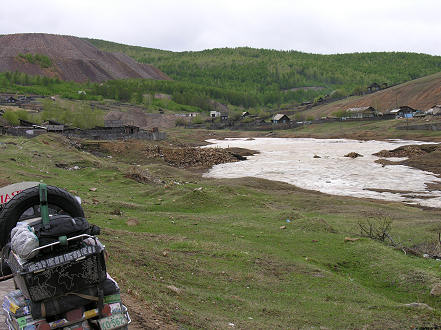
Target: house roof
[
  {"x": 279, "y": 116},
  {"x": 402, "y": 108},
  {"x": 361, "y": 109}
]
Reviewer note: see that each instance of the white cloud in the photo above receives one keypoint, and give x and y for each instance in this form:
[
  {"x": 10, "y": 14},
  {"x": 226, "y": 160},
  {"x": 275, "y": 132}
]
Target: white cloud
[{"x": 320, "y": 26}]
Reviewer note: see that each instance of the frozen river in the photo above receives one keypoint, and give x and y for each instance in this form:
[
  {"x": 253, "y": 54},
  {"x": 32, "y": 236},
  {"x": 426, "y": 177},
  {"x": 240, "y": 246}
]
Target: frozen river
[{"x": 292, "y": 160}]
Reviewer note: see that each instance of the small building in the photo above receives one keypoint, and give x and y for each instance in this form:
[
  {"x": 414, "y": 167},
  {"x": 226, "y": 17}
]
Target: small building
[
  {"x": 280, "y": 118},
  {"x": 245, "y": 114},
  {"x": 215, "y": 114},
  {"x": 11, "y": 100},
  {"x": 403, "y": 112},
  {"x": 55, "y": 128},
  {"x": 362, "y": 112},
  {"x": 435, "y": 110}
]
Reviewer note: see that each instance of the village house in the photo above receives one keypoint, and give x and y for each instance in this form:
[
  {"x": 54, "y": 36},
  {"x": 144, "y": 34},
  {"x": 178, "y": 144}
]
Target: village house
[
  {"x": 403, "y": 112},
  {"x": 435, "y": 110},
  {"x": 362, "y": 112},
  {"x": 214, "y": 114},
  {"x": 245, "y": 114},
  {"x": 280, "y": 118}
]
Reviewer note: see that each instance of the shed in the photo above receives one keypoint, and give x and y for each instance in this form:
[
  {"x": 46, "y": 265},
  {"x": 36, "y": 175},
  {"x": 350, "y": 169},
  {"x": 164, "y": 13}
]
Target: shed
[
  {"x": 245, "y": 114},
  {"x": 280, "y": 118},
  {"x": 362, "y": 112},
  {"x": 55, "y": 128},
  {"x": 224, "y": 115}
]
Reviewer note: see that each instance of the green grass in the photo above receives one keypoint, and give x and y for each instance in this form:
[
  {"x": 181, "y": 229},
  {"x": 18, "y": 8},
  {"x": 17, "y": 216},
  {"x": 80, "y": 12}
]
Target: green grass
[
  {"x": 222, "y": 245},
  {"x": 40, "y": 59}
]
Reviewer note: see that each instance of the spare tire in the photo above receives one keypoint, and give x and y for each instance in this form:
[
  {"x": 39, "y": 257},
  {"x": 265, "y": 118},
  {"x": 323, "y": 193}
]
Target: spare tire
[{"x": 26, "y": 205}]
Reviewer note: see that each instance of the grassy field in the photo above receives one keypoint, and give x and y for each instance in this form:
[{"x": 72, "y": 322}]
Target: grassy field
[{"x": 206, "y": 253}]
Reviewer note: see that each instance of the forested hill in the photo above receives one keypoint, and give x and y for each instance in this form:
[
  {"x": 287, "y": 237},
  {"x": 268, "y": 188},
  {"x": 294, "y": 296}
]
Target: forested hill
[{"x": 274, "y": 74}]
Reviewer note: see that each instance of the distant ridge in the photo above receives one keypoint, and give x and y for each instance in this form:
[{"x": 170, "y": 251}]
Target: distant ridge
[{"x": 72, "y": 58}]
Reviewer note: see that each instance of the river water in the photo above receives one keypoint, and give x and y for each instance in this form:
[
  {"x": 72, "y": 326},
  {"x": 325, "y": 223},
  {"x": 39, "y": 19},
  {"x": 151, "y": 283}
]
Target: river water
[{"x": 292, "y": 160}]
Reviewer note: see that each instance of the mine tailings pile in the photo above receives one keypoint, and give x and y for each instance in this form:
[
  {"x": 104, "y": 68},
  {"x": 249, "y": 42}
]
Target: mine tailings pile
[
  {"x": 69, "y": 58},
  {"x": 185, "y": 157}
]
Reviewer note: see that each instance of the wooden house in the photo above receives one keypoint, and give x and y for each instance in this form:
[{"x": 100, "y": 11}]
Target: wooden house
[
  {"x": 214, "y": 114},
  {"x": 280, "y": 118},
  {"x": 403, "y": 112}
]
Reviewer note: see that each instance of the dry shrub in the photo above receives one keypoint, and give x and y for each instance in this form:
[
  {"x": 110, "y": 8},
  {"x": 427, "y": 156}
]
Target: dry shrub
[{"x": 377, "y": 226}]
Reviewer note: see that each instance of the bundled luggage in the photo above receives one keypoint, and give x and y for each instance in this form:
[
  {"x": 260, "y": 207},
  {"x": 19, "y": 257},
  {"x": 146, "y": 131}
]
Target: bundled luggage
[{"x": 59, "y": 269}]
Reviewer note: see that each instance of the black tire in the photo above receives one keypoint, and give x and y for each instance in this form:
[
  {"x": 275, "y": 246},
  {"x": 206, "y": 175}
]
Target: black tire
[{"x": 26, "y": 205}]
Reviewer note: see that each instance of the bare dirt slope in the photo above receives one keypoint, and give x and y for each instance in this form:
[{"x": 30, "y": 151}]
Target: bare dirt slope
[
  {"x": 72, "y": 59},
  {"x": 419, "y": 94}
]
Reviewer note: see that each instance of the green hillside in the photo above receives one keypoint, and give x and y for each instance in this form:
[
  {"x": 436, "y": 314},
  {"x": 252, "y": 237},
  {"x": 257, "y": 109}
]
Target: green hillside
[{"x": 269, "y": 75}]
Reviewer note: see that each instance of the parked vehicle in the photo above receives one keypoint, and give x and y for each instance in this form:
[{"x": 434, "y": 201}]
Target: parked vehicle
[{"x": 57, "y": 262}]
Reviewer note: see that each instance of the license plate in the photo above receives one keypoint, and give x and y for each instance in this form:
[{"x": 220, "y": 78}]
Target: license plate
[{"x": 113, "y": 322}]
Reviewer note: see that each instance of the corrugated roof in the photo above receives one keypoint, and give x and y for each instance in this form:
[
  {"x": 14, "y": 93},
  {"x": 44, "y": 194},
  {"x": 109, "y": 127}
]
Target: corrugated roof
[
  {"x": 279, "y": 116},
  {"x": 358, "y": 109}
]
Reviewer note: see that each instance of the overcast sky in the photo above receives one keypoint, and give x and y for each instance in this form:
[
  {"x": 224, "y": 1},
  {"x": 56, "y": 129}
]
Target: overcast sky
[{"x": 315, "y": 26}]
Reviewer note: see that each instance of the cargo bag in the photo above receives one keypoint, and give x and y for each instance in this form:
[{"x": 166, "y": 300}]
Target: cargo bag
[
  {"x": 63, "y": 225},
  {"x": 54, "y": 276},
  {"x": 74, "y": 300}
]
